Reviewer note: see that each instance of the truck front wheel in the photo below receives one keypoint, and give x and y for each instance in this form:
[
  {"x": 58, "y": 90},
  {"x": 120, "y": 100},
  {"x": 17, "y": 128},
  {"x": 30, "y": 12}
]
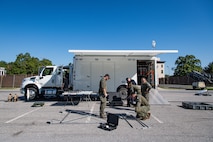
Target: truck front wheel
[
  {"x": 30, "y": 93},
  {"x": 123, "y": 93}
]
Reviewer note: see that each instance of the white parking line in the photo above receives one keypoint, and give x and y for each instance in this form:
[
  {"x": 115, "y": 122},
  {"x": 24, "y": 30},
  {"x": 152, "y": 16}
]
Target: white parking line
[
  {"x": 9, "y": 121},
  {"x": 156, "y": 118},
  {"x": 91, "y": 111}
]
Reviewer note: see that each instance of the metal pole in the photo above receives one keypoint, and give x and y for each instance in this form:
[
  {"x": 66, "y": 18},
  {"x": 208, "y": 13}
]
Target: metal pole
[
  {"x": 28, "y": 94},
  {"x": 156, "y": 74},
  {"x": 123, "y": 117},
  {"x": 14, "y": 78},
  {"x": 1, "y": 81}
]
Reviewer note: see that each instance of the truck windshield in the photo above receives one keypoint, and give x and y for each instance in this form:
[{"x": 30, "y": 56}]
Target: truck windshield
[{"x": 47, "y": 71}]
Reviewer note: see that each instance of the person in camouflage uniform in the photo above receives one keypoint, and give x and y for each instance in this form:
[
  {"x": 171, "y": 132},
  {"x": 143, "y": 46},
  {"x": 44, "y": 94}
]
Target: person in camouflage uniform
[
  {"x": 141, "y": 105},
  {"x": 130, "y": 89},
  {"x": 145, "y": 88},
  {"x": 103, "y": 94},
  {"x": 134, "y": 89}
]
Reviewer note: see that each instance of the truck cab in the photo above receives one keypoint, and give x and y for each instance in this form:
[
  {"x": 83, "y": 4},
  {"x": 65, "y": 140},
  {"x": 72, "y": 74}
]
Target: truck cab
[{"x": 49, "y": 82}]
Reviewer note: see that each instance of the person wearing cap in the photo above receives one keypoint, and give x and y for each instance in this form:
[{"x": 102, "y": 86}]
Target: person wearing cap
[
  {"x": 103, "y": 94},
  {"x": 141, "y": 105},
  {"x": 145, "y": 88},
  {"x": 129, "y": 86}
]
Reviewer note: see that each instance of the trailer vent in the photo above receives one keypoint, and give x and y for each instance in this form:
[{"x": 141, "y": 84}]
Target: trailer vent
[{"x": 131, "y": 59}]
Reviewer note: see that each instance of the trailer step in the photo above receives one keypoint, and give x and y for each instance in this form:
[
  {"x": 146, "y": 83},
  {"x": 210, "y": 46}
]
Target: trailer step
[{"x": 197, "y": 105}]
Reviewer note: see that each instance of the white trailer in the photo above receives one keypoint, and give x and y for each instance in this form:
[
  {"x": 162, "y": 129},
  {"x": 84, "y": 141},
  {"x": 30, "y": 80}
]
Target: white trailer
[
  {"x": 87, "y": 69},
  {"x": 90, "y": 65}
]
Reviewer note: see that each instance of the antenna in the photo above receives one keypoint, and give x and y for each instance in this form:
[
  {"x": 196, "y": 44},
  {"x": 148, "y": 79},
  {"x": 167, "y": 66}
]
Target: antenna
[{"x": 153, "y": 44}]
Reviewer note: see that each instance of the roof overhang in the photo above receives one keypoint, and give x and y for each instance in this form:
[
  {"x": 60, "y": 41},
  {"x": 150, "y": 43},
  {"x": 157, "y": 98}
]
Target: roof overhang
[{"x": 121, "y": 52}]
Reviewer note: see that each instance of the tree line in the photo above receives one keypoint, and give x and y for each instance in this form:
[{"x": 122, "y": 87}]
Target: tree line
[{"x": 26, "y": 64}]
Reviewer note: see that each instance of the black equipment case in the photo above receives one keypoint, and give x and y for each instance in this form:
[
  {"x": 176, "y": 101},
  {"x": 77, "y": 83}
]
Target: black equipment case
[{"x": 112, "y": 122}]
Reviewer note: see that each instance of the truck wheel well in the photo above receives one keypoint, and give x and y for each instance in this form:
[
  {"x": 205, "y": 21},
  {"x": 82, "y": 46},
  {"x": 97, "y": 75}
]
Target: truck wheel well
[
  {"x": 31, "y": 86},
  {"x": 119, "y": 87}
]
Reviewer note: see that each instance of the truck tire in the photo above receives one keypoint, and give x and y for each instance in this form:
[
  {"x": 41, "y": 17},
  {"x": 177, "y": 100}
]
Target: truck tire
[
  {"x": 33, "y": 93},
  {"x": 76, "y": 100},
  {"x": 123, "y": 93}
]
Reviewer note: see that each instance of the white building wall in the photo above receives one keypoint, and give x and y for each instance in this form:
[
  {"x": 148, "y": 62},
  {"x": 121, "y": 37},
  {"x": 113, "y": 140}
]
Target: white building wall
[
  {"x": 2, "y": 71},
  {"x": 161, "y": 70}
]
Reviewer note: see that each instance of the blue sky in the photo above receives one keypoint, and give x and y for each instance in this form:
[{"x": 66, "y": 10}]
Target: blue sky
[{"x": 49, "y": 28}]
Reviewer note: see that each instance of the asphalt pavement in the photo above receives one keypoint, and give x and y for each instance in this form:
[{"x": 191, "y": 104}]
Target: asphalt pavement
[{"x": 61, "y": 121}]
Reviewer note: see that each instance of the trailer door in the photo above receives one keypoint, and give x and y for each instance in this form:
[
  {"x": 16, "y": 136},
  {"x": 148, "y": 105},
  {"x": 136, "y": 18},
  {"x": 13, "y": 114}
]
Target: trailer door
[
  {"x": 98, "y": 70},
  {"x": 96, "y": 74},
  {"x": 82, "y": 76},
  {"x": 110, "y": 69}
]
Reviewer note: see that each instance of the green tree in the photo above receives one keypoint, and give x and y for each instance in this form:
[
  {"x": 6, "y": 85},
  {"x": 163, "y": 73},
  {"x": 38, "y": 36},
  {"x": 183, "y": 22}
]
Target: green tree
[
  {"x": 21, "y": 64},
  {"x": 45, "y": 62},
  {"x": 209, "y": 68},
  {"x": 3, "y": 64},
  {"x": 187, "y": 64},
  {"x": 25, "y": 64},
  {"x": 9, "y": 68}
]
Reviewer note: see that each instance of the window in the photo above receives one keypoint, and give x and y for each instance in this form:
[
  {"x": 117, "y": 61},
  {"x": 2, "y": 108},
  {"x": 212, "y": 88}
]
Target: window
[{"x": 47, "y": 71}]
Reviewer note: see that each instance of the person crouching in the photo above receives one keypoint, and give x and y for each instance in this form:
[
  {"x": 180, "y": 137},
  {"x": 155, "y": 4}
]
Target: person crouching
[{"x": 141, "y": 105}]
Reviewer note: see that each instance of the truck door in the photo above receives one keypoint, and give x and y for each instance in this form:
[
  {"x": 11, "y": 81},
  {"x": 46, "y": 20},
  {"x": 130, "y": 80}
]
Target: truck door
[
  {"x": 46, "y": 77},
  {"x": 52, "y": 77}
]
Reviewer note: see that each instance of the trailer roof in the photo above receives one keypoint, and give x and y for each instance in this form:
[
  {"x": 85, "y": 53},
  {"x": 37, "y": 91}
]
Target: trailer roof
[{"x": 122, "y": 52}]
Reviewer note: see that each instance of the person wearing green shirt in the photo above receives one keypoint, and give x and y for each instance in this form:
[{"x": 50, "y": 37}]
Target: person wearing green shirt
[
  {"x": 145, "y": 88},
  {"x": 141, "y": 105},
  {"x": 103, "y": 94}
]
